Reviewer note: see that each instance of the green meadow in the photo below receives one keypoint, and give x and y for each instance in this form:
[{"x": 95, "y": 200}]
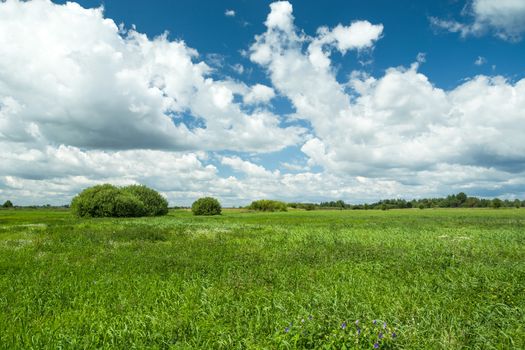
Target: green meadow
[{"x": 397, "y": 279}]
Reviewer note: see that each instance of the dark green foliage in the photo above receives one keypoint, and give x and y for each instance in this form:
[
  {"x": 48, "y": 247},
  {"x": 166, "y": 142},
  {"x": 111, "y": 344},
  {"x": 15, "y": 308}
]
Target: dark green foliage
[
  {"x": 460, "y": 200},
  {"x": 461, "y": 197},
  {"x": 305, "y": 206},
  {"x": 153, "y": 202},
  {"x": 111, "y": 201},
  {"x": 268, "y": 205},
  {"x": 206, "y": 206},
  {"x": 7, "y": 204},
  {"x": 496, "y": 203}
]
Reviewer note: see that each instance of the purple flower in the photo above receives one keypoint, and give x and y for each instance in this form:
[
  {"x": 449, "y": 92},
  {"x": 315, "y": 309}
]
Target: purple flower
[
  {"x": 376, "y": 345},
  {"x": 358, "y": 331},
  {"x": 374, "y": 321},
  {"x": 380, "y": 336},
  {"x": 343, "y": 325},
  {"x": 384, "y": 325},
  {"x": 286, "y": 330},
  {"x": 310, "y": 317},
  {"x": 394, "y": 335}
]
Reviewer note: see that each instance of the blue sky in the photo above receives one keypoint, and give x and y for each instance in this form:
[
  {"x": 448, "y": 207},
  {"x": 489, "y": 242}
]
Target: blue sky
[
  {"x": 450, "y": 60},
  {"x": 293, "y": 100}
]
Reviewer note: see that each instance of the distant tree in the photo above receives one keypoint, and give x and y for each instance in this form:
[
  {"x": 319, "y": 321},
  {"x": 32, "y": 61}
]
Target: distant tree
[
  {"x": 421, "y": 206},
  {"x": 496, "y": 203},
  {"x": 461, "y": 197},
  {"x": 517, "y": 203},
  {"x": 309, "y": 206},
  {"x": 7, "y": 204},
  {"x": 206, "y": 206},
  {"x": 268, "y": 205}
]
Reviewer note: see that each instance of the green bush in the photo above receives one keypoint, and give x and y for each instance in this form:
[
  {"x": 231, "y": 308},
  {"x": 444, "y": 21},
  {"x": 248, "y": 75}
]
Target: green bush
[
  {"x": 154, "y": 203},
  {"x": 206, "y": 206},
  {"x": 111, "y": 201},
  {"x": 268, "y": 205},
  {"x": 7, "y": 204}
]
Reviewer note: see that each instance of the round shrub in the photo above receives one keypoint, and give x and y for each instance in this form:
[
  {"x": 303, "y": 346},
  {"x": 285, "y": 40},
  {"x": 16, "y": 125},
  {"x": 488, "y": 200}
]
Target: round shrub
[
  {"x": 154, "y": 203},
  {"x": 111, "y": 201},
  {"x": 206, "y": 206},
  {"x": 268, "y": 205}
]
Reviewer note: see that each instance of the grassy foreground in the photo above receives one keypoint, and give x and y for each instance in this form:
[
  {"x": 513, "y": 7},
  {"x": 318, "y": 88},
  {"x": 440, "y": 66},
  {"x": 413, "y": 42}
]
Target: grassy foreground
[{"x": 438, "y": 279}]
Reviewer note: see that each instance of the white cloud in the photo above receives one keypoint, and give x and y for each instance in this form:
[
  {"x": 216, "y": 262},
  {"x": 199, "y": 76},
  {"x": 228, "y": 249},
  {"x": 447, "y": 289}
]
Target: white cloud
[
  {"x": 229, "y": 13},
  {"x": 238, "y": 68},
  {"x": 398, "y": 125},
  {"x": 83, "y": 102},
  {"x": 507, "y": 17},
  {"x": 97, "y": 86},
  {"x": 504, "y": 18},
  {"x": 248, "y": 168},
  {"x": 480, "y": 61},
  {"x": 280, "y": 16},
  {"x": 358, "y": 35},
  {"x": 259, "y": 94},
  {"x": 55, "y": 174}
]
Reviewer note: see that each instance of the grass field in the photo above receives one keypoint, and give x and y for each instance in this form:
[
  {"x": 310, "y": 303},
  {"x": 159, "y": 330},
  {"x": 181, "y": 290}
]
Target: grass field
[{"x": 438, "y": 279}]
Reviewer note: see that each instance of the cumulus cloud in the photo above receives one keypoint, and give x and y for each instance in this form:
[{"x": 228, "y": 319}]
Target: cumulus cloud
[
  {"x": 55, "y": 174},
  {"x": 83, "y": 101},
  {"x": 398, "y": 125},
  {"x": 358, "y": 35},
  {"x": 504, "y": 18},
  {"x": 229, "y": 13},
  {"x": 280, "y": 16},
  {"x": 95, "y": 85},
  {"x": 248, "y": 168},
  {"x": 259, "y": 94}
]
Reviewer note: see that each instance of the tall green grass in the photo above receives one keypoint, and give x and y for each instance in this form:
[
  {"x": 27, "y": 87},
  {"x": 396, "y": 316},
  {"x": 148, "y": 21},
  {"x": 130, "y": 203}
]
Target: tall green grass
[{"x": 439, "y": 279}]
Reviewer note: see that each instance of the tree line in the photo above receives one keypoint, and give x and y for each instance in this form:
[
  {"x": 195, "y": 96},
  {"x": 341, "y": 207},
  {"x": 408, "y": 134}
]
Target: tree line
[{"x": 460, "y": 200}]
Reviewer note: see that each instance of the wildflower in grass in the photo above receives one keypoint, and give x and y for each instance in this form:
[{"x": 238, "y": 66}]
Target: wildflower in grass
[
  {"x": 310, "y": 317},
  {"x": 287, "y": 329},
  {"x": 374, "y": 321},
  {"x": 384, "y": 325},
  {"x": 380, "y": 336},
  {"x": 376, "y": 345},
  {"x": 394, "y": 334},
  {"x": 358, "y": 331},
  {"x": 356, "y": 322},
  {"x": 343, "y": 325},
  {"x": 302, "y": 320}
]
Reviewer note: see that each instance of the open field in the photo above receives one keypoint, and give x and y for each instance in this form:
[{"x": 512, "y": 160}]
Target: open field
[{"x": 440, "y": 279}]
